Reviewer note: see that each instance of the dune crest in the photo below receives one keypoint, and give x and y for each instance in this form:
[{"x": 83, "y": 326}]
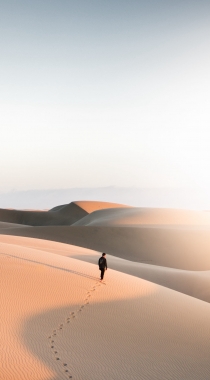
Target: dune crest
[{"x": 91, "y": 206}]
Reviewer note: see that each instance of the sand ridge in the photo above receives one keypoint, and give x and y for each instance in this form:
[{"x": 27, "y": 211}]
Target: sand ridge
[
  {"x": 138, "y": 216},
  {"x": 91, "y": 206}
]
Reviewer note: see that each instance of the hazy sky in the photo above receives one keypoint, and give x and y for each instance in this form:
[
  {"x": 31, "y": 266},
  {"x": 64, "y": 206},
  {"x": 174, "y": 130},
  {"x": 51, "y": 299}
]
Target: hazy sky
[{"x": 104, "y": 93}]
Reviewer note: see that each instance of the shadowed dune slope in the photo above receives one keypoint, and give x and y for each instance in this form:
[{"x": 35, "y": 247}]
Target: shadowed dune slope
[
  {"x": 10, "y": 225},
  {"x": 52, "y": 309},
  {"x": 180, "y": 248},
  {"x": 140, "y": 216},
  {"x": 64, "y": 215}
]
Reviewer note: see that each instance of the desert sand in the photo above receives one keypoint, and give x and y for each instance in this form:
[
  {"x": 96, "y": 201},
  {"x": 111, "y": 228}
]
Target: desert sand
[{"x": 149, "y": 320}]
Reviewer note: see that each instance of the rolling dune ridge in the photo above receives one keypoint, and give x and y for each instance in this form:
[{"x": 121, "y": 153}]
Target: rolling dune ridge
[{"x": 137, "y": 216}]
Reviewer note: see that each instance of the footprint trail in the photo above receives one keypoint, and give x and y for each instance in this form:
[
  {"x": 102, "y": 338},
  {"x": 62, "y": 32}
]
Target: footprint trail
[{"x": 66, "y": 325}]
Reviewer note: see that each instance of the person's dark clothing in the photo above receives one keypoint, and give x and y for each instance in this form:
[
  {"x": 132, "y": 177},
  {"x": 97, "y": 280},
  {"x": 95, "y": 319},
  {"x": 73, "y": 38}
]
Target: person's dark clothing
[
  {"x": 102, "y": 273},
  {"x": 102, "y": 262},
  {"x": 102, "y": 266}
]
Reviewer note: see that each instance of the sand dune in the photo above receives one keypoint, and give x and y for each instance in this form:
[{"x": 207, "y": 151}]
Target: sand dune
[
  {"x": 60, "y": 215},
  {"x": 88, "y": 213},
  {"x": 179, "y": 248},
  {"x": 66, "y": 215},
  {"x": 57, "y": 317},
  {"x": 144, "y": 216},
  {"x": 149, "y": 321},
  {"x": 193, "y": 283}
]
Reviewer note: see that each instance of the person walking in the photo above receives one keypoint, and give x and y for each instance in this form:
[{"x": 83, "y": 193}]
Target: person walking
[{"x": 102, "y": 265}]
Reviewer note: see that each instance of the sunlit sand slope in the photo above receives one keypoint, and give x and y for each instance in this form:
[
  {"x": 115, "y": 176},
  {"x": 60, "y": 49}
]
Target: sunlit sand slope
[
  {"x": 181, "y": 247},
  {"x": 91, "y": 206},
  {"x": 192, "y": 283},
  {"x": 144, "y": 216},
  {"x": 59, "y": 322}
]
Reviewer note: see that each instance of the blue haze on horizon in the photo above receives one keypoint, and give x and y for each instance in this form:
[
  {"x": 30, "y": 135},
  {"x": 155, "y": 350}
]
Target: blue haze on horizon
[{"x": 104, "y": 93}]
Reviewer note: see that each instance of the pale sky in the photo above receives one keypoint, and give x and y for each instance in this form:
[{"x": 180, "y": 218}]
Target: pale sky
[{"x": 104, "y": 93}]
